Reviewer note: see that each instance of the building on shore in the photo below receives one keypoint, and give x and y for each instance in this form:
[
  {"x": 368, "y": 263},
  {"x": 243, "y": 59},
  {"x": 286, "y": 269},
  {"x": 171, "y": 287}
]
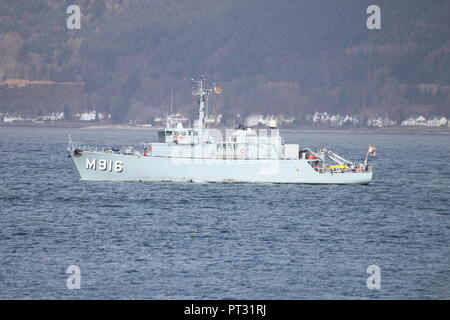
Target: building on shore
[
  {"x": 415, "y": 121},
  {"x": 213, "y": 119},
  {"x": 171, "y": 118},
  {"x": 254, "y": 120},
  {"x": 54, "y": 116},
  {"x": 91, "y": 116},
  {"x": 381, "y": 122},
  {"x": 332, "y": 120},
  {"x": 437, "y": 121},
  {"x": 10, "y": 118}
]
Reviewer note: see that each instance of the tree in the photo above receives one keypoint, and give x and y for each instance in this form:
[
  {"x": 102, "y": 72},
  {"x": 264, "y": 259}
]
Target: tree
[
  {"x": 132, "y": 85},
  {"x": 119, "y": 109},
  {"x": 67, "y": 113}
]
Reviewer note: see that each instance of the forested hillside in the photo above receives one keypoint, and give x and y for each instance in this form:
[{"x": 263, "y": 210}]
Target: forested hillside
[{"x": 287, "y": 56}]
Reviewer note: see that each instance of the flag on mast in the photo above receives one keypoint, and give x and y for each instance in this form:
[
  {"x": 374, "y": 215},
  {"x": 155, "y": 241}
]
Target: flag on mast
[{"x": 372, "y": 150}]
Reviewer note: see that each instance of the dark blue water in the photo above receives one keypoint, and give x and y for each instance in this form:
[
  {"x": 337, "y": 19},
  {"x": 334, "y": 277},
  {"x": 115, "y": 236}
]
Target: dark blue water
[{"x": 214, "y": 241}]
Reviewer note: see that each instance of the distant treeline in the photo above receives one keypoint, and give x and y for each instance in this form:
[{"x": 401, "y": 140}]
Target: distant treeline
[{"x": 271, "y": 57}]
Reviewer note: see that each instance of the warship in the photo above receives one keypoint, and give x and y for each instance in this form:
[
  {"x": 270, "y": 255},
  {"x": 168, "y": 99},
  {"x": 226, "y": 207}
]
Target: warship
[{"x": 202, "y": 154}]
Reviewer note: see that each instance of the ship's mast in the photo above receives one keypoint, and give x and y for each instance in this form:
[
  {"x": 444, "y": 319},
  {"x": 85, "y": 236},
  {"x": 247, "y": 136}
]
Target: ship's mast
[{"x": 201, "y": 94}]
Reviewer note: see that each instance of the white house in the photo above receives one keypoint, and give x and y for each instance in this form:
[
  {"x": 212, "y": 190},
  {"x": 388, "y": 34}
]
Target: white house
[
  {"x": 89, "y": 116},
  {"x": 174, "y": 118},
  {"x": 436, "y": 121},
  {"x": 321, "y": 117},
  {"x": 380, "y": 122},
  {"x": 414, "y": 121},
  {"x": 280, "y": 119},
  {"x": 375, "y": 122},
  {"x": 254, "y": 120},
  {"x": 336, "y": 120},
  {"x": 388, "y": 122},
  {"x": 214, "y": 119},
  {"x": 351, "y": 120},
  {"x": 12, "y": 118},
  {"x": 54, "y": 116}
]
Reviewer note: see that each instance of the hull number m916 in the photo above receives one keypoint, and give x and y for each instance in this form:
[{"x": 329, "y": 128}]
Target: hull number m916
[{"x": 104, "y": 165}]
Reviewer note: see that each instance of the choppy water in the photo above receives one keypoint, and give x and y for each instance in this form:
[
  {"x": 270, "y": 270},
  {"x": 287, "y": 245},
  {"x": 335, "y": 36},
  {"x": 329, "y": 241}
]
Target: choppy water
[{"x": 214, "y": 241}]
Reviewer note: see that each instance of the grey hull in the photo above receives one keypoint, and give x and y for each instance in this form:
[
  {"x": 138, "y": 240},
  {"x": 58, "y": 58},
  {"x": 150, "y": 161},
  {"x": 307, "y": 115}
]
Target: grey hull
[{"x": 100, "y": 166}]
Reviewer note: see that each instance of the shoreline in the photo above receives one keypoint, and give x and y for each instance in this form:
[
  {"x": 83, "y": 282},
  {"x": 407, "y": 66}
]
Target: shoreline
[
  {"x": 436, "y": 131},
  {"x": 395, "y": 130}
]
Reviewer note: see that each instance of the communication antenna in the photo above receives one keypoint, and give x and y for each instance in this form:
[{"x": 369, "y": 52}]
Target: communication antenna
[
  {"x": 171, "y": 102},
  {"x": 201, "y": 94}
]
